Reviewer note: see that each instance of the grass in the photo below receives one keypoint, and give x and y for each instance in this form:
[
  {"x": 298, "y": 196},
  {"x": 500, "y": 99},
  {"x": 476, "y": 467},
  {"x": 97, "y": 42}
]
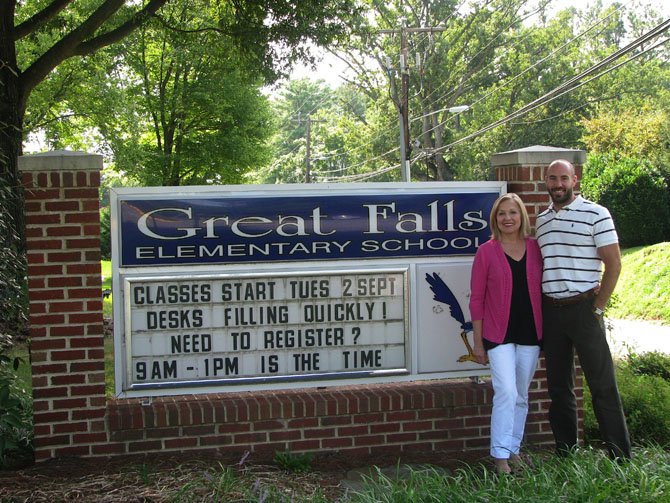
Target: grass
[
  {"x": 109, "y": 366},
  {"x": 106, "y": 271},
  {"x": 586, "y": 475},
  {"x": 642, "y": 290}
]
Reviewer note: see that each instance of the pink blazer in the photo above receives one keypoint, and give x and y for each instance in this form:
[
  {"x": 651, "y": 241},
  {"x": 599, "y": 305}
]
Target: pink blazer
[{"x": 491, "y": 288}]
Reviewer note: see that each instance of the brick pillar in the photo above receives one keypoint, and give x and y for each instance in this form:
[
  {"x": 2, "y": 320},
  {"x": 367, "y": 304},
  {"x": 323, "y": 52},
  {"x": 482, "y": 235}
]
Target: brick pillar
[
  {"x": 67, "y": 348},
  {"x": 524, "y": 171}
]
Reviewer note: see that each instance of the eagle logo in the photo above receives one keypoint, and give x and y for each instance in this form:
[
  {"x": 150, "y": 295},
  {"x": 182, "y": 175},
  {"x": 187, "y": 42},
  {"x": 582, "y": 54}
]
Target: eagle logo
[{"x": 443, "y": 294}]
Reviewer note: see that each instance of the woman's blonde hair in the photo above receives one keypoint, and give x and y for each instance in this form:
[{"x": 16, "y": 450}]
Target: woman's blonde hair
[{"x": 524, "y": 229}]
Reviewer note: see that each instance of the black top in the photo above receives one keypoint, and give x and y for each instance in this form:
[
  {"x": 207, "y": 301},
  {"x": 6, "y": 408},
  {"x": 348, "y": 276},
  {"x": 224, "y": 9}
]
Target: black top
[{"x": 521, "y": 325}]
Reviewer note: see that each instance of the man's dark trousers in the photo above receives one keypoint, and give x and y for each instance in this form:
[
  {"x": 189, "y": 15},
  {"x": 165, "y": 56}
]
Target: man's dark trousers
[{"x": 575, "y": 326}]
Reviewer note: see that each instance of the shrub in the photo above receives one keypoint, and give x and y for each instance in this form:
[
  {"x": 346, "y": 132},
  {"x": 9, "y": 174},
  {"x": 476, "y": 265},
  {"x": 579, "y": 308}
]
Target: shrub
[
  {"x": 16, "y": 428},
  {"x": 105, "y": 234},
  {"x": 635, "y": 193},
  {"x": 646, "y": 404},
  {"x": 653, "y": 363},
  {"x": 13, "y": 291}
]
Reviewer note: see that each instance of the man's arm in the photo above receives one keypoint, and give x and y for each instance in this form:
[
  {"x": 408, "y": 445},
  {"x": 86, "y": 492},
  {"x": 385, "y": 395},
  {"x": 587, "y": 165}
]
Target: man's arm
[{"x": 611, "y": 257}]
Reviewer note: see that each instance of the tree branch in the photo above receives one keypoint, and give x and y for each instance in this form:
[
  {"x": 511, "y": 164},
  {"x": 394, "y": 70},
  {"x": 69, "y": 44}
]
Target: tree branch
[
  {"x": 75, "y": 43},
  {"x": 90, "y": 46},
  {"x": 64, "y": 48},
  {"x": 36, "y": 22}
]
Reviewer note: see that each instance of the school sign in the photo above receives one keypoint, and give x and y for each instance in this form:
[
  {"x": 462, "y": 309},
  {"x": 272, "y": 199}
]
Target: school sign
[{"x": 262, "y": 287}]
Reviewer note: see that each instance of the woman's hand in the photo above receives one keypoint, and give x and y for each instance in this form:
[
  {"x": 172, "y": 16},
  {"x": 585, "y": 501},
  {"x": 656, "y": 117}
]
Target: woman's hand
[
  {"x": 478, "y": 346},
  {"x": 480, "y": 353}
]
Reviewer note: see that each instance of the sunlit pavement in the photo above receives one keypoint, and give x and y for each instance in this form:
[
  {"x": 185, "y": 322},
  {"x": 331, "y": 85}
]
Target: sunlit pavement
[{"x": 637, "y": 336}]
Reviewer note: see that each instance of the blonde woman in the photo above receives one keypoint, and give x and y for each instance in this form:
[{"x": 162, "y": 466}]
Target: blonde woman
[{"x": 506, "y": 309}]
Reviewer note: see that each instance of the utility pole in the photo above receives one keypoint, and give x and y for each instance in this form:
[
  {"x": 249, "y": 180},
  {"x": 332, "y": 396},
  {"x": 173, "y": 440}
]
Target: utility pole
[
  {"x": 404, "y": 105},
  {"x": 402, "y": 102},
  {"x": 308, "y": 144},
  {"x": 308, "y": 153}
]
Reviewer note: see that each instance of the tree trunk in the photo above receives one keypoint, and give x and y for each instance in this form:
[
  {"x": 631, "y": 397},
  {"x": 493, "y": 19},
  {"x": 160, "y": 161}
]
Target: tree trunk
[
  {"x": 12, "y": 258},
  {"x": 11, "y": 99},
  {"x": 11, "y": 121}
]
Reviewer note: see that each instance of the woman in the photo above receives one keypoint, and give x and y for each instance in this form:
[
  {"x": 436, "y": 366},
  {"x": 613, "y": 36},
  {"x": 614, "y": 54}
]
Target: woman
[{"x": 506, "y": 309}]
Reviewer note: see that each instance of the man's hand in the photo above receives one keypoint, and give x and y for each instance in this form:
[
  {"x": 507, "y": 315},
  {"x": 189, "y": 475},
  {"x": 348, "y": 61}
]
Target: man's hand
[{"x": 611, "y": 257}]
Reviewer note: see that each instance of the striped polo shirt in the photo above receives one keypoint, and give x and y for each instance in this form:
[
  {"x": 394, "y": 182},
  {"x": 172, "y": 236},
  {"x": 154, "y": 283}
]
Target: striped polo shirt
[{"x": 569, "y": 239}]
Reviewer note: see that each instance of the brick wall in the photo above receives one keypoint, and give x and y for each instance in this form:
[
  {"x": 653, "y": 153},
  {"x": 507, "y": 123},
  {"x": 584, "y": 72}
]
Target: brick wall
[
  {"x": 73, "y": 417},
  {"x": 402, "y": 419},
  {"x": 360, "y": 421},
  {"x": 524, "y": 170},
  {"x": 67, "y": 352}
]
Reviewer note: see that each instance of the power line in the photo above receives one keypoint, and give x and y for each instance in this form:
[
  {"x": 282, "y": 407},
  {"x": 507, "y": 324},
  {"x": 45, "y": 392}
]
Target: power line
[
  {"x": 574, "y": 82},
  {"x": 534, "y": 65},
  {"x": 404, "y": 109},
  {"x": 308, "y": 140},
  {"x": 559, "y": 91},
  {"x": 402, "y": 102}
]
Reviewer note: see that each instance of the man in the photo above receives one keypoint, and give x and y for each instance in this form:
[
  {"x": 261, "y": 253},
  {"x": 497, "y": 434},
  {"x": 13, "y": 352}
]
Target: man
[{"x": 577, "y": 237}]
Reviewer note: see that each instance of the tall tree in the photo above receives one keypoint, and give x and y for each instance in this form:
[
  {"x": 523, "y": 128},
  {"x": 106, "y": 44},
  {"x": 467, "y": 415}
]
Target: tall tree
[
  {"x": 38, "y": 37},
  {"x": 174, "y": 107},
  {"x": 296, "y": 108},
  {"x": 434, "y": 56},
  {"x": 494, "y": 58},
  {"x": 99, "y": 25}
]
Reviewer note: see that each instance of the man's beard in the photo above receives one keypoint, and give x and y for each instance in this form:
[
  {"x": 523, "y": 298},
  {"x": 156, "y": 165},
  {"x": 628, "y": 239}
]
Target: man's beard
[{"x": 565, "y": 198}]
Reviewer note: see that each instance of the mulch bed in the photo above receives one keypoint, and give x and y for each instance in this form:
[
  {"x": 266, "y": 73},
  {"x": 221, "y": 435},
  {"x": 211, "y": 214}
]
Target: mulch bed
[
  {"x": 163, "y": 479},
  {"x": 169, "y": 478}
]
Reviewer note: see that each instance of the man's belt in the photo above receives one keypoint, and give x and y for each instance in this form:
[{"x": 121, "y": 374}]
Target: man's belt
[{"x": 567, "y": 301}]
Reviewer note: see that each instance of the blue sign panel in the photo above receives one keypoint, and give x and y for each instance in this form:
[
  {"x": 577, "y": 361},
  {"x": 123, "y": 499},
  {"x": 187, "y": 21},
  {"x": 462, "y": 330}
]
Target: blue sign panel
[{"x": 245, "y": 229}]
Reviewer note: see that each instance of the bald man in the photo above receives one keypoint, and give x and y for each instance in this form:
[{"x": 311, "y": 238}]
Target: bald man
[{"x": 577, "y": 238}]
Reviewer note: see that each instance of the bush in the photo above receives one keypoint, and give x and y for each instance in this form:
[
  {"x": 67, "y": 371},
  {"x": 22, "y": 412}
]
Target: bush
[
  {"x": 635, "y": 193},
  {"x": 16, "y": 416},
  {"x": 645, "y": 396},
  {"x": 105, "y": 234},
  {"x": 653, "y": 363},
  {"x": 646, "y": 403},
  {"x": 13, "y": 288}
]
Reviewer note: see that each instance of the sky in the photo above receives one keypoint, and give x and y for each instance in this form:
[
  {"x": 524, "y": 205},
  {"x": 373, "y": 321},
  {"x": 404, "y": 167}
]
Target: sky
[{"x": 330, "y": 69}]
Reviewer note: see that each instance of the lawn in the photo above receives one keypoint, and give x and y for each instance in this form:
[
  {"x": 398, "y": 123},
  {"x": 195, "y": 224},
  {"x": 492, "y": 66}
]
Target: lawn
[
  {"x": 106, "y": 271},
  {"x": 106, "y": 266},
  {"x": 642, "y": 290}
]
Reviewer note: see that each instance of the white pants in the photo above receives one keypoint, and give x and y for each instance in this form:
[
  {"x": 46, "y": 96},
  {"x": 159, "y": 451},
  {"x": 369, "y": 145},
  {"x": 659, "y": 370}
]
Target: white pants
[{"x": 512, "y": 368}]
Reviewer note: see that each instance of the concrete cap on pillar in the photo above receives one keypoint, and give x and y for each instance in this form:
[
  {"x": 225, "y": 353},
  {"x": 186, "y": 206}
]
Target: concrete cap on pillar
[
  {"x": 537, "y": 155},
  {"x": 60, "y": 160}
]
